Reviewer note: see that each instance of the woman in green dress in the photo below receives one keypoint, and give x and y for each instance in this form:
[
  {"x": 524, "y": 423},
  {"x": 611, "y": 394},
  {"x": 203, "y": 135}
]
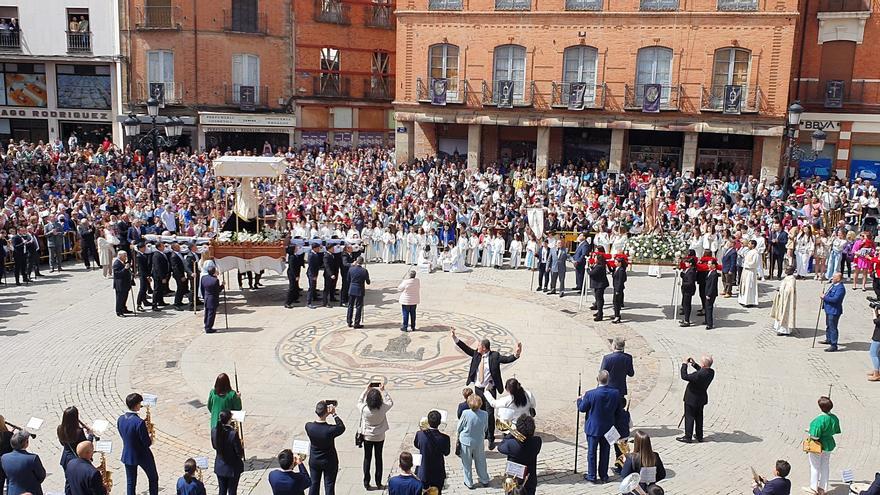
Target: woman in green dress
[
  {"x": 222, "y": 398},
  {"x": 822, "y": 428}
]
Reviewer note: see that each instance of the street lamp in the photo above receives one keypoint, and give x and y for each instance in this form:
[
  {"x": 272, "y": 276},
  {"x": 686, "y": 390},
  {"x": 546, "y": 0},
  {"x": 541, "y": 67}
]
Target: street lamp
[
  {"x": 153, "y": 139},
  {"x": 795, "y": 152}
]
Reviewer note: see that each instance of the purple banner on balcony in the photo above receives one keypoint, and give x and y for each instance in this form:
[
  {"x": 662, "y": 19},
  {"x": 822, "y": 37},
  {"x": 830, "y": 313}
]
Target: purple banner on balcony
[
  {"x": 505, "y": 94},
  {"x": 651, "y": 101},
  {"x": 439, "y": 87},
  {"x": 314, "y": 138},
  {"x": 834, "y": 94},
  {"x": 247, "y": 98},
  {"x": 576, "y": 91},
  {"x": 733, "y": 95},
  {"x": 342, "y": 139}
]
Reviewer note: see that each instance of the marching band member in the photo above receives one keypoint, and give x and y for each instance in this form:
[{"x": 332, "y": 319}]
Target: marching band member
[
  {"x": 70, "y": 435},
  {"x": 83, "y": 478},
  {"x": 228, "y": 463},
  {"x": 136, "y": 444},
  {"x": 189, "y": 484}
]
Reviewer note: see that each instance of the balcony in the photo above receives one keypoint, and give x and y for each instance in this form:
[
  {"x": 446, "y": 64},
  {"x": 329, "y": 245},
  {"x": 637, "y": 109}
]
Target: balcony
[
  {"x": 233, "y": 96},
  {"x": 332, "y": 12},
  {"x": 379, "y": 88},
  {"x": 171, "y": 92},
  {"x": 844, "y": 6},
  {"x": 10, "y": 41},
  {"x": 584, "y": 5},
  {"x": 523, "y": 93},
  {"x": 379, "y": 16},
  {"x": 158, "y": 17},
  {"x": 250, "y": 22},
  {"x": 79, "y": 42},
  {"x": 712, "y": 99},
  {"x": 634, "y": 97},
  {"x": 855, "y": 94},
  {"x": 453, "y": 96},
  {"x": 594, "y": 96},
  {"x": 331, "y": 86}
]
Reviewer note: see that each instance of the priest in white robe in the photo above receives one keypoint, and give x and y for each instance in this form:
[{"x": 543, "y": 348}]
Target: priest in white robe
[
  {"x": 748, "y": 284},
  {"x": 785, "y": 304}
]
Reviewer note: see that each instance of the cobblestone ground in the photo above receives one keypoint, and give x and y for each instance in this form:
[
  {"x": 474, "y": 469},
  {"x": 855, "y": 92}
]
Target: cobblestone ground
[{"x": 62, "y": 345}]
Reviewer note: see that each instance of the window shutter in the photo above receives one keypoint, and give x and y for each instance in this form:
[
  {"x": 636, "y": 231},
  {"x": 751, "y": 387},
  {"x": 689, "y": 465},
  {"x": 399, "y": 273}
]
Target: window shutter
[
  {"x": 154, "y": 69},
  {"x": 168, "y": 67}
]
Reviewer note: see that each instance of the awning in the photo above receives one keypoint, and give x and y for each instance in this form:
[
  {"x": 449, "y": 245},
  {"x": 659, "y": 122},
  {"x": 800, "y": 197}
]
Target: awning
[{"x": 249, "y": 166}]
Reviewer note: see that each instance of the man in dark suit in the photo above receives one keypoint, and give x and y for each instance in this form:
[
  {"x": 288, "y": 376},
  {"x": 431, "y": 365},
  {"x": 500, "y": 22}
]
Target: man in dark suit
[
  {"x": 19, "y": 257},
  {"x": 779, "y": 485},
  {"x": 358, "y": 277},
  {"x": 136, "y": 444},
  {"x": 88, "y": 246},
  {"x": 543, "y": 268},
  {"x": 696, "y": 396},
  {"x": 524, "y": 452},
  {"x": 286, "y": 481},
  {"x": 178, "y": 271},
  {"x": 348, "y": 258},
  {"x": 688, "y": 289},
  {"x": 122, "y": 282},
  {"x": 295, "y": 253},
  {"x": 778, "y": 240},
  {"x": 160, "y": 271},
  {"x": 211, "y": 288},
  {"x": 599, "y": 282},
  {"x": 581, "y": 254},
  {"x": 82, "y": 476},
  {"x": 485, "y": 375},
  {"x": 832, "y": 304},
  {"x": 331, "y": 275},
  {"x": 602, "y": 406},
  {"x": 143, "y": 273},
  {"x": 32, "y": 247},
  {"x": 191, "y": 263},
  {"x": 134, "y": 234},
  {"x": 711, "y": 286},
  {"x": 24, "y": 471},
  {"x": 323, "y": 459},
  {"x": 728, "y": 268},
  {"x": 618, "y": 281},
  {"x": 558, "y": 260},
  {"x": 434, "y": 446},
  {"x": 619, "y": 365},
  {"x": 315, "y": 263}
]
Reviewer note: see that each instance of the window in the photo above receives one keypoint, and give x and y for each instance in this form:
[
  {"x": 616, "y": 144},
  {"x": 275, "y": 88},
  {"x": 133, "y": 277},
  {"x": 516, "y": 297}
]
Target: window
[
  {"x": 79, "y": 33},
  {"x": 654, "y": 66},
  {"x": 331, "y": 11},
  {"x": 731, "y": 67},
  {"x": 157, "y": 13},
  {"x": 444, "y": 5},
  {"x": 579, "y": 65},
  {"x": 513, "y": 4},
  {"x": 380, "y": 69},
  {"x": 83, "y": 86},
  {"x": 443, "y": 60},
  {"x": 330, "y": 77},
  {"x": 510, "y": 65},
  {"x": 737, "y": 5},
  {"x": 584, "y": 4},
  {"x": 244, "y": 16},
  {"x": 160, "y": 74},
  {"x": 9, "y": 28},
  {"x": 245, "y": 72},
  {"x": 658, "y": 4}
]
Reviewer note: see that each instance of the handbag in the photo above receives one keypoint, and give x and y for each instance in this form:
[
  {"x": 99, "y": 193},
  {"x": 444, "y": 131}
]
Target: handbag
[
  {"x": 358, "y": 435},
  {"x": 812, "y": 446}
]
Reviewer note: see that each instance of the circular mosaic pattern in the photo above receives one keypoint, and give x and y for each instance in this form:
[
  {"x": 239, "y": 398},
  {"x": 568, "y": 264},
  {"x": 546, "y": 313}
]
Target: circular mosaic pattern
[{"x": 328, "y": 351}]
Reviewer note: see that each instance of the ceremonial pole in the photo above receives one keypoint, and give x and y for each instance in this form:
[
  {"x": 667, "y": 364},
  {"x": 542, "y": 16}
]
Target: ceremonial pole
[
  {"x": 240, "y": 423},
  {"x": 577, "y": 425},
  {"x": 225, "y": 301},
  {"x": 194, "y": 291},
  {"x": 818, "y": 316}
]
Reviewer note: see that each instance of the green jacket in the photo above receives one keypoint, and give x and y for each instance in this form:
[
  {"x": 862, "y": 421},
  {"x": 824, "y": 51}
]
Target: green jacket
[
  {"x": 823, "y": 428},
  {"x": 216, "y": 403}
]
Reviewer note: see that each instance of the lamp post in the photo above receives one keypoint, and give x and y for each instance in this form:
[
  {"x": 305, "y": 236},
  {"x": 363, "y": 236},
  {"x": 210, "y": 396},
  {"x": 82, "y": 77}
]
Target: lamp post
[
  {"x": 153, "y": 139},
  {"x": 795, "y": 152}
]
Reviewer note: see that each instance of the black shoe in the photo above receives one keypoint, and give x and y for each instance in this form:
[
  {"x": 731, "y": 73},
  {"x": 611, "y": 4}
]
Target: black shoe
[
  {"x": 288, "y": 306},
  {"x": 121, "y": 315},
  {"x": 709, "y": 327},
  {"x": 367, "y": 487},
  {"x": 684, "y": 440},
  {"x": 831, "y": 348},
  {"x": 597, "y": 318},
  {"x": 551, "y": 293},
  {"x": 126, "y": 311},
  {"x": 211, "y": 331},
  {"x": 358, "y": 326},
  {"x": 701, "y": 313},
  {"x": 616, "y": 320},
  {"x": 380, "y": 486},
  {"x": 140, "y": 309},
  {"x": 492, "y": 444},
  {"x": 684, "y": 324},
  {"x": 699, "y": 440},
  {"x": 562, "y": 294},
  {"x": 539, "y": 289},
  {"x": 350, "y": 324},
  {"x": 593, "y": 308}
]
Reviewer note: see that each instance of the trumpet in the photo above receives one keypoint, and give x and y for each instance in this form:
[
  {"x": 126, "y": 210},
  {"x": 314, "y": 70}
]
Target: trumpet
[
  {"x": 151, "y": 428},
  {"x": 423, "y": 424},
  {"x": 623, "y": 445},
  {"x": 509, "y": 428},
  {"x": 106, "y": 476},
  {"x": 431, "y": 490},
  {"x": 199, "y": 474},
  {"x": 300, "y": 456},
  {"x": 33, "y": 435},
  {"x": 89, "y": 430}
]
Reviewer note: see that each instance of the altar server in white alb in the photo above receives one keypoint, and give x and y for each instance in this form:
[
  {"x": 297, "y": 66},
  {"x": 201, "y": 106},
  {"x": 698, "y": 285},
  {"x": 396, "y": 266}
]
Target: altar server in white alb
[{"x": 748, "y": 284}]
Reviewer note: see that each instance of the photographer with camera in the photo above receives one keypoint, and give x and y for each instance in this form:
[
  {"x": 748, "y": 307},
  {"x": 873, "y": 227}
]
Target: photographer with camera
[
  {"x": 696, "y": 396},
  {"x": 874, "y": 351},
  {"x": 323, "y": 459}
]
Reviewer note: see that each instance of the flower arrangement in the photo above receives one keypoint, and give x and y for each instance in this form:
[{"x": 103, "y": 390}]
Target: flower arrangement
[
  {"x": 267, "y": 236},
  {"x": 658, "y": 247}
]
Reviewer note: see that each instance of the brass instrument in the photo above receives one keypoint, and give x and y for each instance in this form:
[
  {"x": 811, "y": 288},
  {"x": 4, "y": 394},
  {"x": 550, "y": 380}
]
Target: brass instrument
[
  {"x": 106, "y": 476},
  {"x": 759, "y": 480},
  {"x": 237, "y": 426},
  {"x": 423, "y": 424},
  {"x": 199, "y": 474},
  {"x": 151, "y": 428},
  {"x": 623, "y": 445},
  {"x": 512, "y": 485},
  {"x": 431, "y": 490},
  {"x": 508, "y": 427}
]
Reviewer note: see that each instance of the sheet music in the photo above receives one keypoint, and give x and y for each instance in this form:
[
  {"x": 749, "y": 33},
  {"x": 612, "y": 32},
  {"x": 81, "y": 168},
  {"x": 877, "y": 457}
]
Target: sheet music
[
  {"x": 238, "y": 416},
  {"x": 150, "y": 400},
  {"x": 516, "y": 470},
  {"x": 34, "y": 424},
  {"x": 612, "y": 436},
  {"x": 648, "y": 474},
  {"x": 301, "y": 447},
  {"x": 104, "y": 446},
  {"x": 201, "y": 462},
  {"x": 417, "y": 459},
  {"x": 100, "y": 425}
]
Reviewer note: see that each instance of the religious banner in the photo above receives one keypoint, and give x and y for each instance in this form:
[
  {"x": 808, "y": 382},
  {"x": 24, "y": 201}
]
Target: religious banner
[
  {"x": 834, "y": 94},
  {"x": 651, "y": 100},
  {"x": 505, "y": 94},
  {"x": 247, "y": 98},
  {"x": 536, "y": 221},
  {"x": 439, "y": 87},
  {"x": 576, "y": 92},
  {"x": 732, "y": 99}
]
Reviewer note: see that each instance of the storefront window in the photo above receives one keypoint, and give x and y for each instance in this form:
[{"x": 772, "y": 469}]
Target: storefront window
[
  {"x": 83, "y": 86},
  {"x": 23, "y": 85}
]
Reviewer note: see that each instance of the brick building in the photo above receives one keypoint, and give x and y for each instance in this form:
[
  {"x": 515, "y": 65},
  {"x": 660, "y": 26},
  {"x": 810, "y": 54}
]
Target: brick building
[
  {"x": 223, "y": 65},
  {"x": 344, "y": 71},
  {"x": 836, "y": 77},
  {"x": 698, "y": 85}
]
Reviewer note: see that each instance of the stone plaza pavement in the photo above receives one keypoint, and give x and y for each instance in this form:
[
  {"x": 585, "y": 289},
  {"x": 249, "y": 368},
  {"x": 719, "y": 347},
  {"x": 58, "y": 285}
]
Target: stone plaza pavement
[{"x": 62, "y": 345}]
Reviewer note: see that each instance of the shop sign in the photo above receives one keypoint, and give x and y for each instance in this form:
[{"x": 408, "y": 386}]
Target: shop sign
[
  {"x": 31, "y": 113},
  {"x": 821, "y": 125},
  {"x": 232, "y": 119}
]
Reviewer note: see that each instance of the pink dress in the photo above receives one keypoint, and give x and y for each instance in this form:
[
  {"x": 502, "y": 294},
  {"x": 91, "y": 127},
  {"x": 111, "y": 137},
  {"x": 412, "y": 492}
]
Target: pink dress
[{"x": 863, "y": 262}]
